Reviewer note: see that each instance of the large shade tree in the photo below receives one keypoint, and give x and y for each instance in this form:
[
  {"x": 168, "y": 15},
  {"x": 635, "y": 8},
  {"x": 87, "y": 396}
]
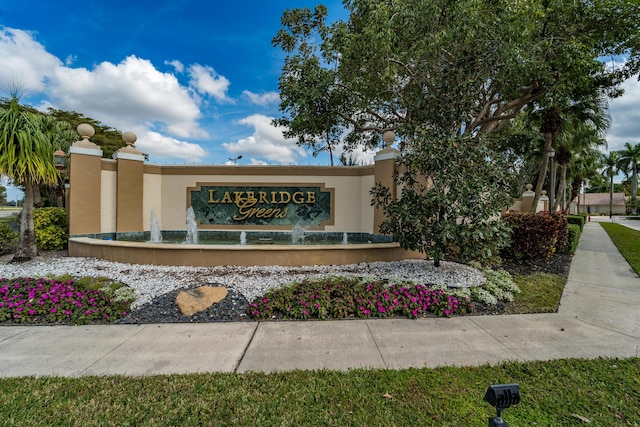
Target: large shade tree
[
  {"x": 437, "y": 70},
  {"x": 464, "y": 66},
  {"x": 26, "y": 158}
]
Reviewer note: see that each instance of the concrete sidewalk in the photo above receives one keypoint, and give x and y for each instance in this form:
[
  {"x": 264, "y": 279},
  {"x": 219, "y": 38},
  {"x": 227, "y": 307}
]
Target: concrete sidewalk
[{"x": 598, "y": 316}]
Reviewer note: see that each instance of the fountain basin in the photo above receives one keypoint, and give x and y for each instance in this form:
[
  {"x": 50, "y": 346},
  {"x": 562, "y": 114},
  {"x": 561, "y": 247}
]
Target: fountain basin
[{"x": 199, "y": 255}]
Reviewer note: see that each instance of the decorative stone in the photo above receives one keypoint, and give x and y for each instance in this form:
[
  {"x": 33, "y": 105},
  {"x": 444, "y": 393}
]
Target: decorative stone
[
  {"x": 199, "y": 299},
  {"x": 85, "y": 130},
  {"x": 129, "y": 137},
  {"x": 388, "y": 137}
]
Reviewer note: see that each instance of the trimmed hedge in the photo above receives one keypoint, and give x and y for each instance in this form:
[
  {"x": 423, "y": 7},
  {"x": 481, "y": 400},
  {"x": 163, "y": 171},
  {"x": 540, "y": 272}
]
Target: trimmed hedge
[
  {"x": 579, "y": 220},
  {"x": 574, "y": 238},
  {"x": 535, "y": 235}
]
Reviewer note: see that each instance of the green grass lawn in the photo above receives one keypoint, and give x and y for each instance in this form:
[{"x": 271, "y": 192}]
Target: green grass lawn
[
  {"x": 539, "y": 293},
  {"x": 560, "y": 393},
  {"x": 627, "y": 240}
]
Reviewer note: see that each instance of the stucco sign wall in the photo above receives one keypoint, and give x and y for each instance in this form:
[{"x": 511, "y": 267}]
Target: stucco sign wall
[{"x": 279, "y": 206}]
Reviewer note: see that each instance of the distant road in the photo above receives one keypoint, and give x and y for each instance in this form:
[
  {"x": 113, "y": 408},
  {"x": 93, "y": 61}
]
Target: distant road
[
  {"x": 7, "y": 212},
  {"x": 631, "y": 223}
]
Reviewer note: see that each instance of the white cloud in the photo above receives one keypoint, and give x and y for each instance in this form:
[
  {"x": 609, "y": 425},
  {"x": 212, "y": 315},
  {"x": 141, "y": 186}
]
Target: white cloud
[
  {"x": 262, "y": 99},
  {"x": 359, "y": 155},
  {"x": 206, "y": 81},
  {"x": 177, "y": 65},
  {"x": 70, "y": 60},
  {"x": 160, "y": 147},
  {"x": 257, "y": 162},
  {"x": 625, "y": 116},
  {"x": 266, "y": 142},
  {"x": 127, "y": 95},
  {"x": 24, "y": 63}
]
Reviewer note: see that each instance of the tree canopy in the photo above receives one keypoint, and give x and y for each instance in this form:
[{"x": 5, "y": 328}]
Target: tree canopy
[
  {"x": 443, "y": 75},
  {"x": 463, "y": 66},
  {"x": 107, "y": 138}
]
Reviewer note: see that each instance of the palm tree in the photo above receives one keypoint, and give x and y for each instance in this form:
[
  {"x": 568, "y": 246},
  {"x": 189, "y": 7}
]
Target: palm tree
[
  {"x": 585, "y": 166},
  {"x": 61, "y": 137},
  {"x": 610, "y": 164},
  {"x": 26, "y": 157},
  {"x": 550, "y": 126},
  {"x": 628, "y": 160},
  {"x": 588, "y": 117},
  {"x": 578, "y": 141}
]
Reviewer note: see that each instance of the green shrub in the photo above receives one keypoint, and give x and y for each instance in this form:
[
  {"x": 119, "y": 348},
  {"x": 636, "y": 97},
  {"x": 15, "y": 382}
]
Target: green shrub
[
  {"x": 8, "y": 239},
  {"x": 574, "y": 238},
  {"x": 535, "y": 235},
  {"x": 562, "y": 232},
  {"x": 577, "y": 220},
  {"x": 51, "y": 228}
]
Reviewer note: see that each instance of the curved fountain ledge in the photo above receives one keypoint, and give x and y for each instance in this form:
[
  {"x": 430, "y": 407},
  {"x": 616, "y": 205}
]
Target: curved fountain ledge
[{"x": 243, "y": 255}]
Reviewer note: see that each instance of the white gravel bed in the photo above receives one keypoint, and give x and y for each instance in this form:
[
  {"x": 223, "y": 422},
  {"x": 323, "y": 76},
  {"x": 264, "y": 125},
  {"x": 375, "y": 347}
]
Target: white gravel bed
[{"x": 150, "y": 281}]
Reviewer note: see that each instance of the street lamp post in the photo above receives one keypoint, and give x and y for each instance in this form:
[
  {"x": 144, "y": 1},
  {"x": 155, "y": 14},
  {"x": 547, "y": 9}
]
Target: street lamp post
[
  {"x": 552, "y": 181},
  {"x": 60, "y": 160},
  {"x": 235, "y": 159}
]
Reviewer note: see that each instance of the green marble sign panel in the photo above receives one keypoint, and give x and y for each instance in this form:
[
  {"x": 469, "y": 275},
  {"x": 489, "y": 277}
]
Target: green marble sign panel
[{"x": 261, "y": 205}]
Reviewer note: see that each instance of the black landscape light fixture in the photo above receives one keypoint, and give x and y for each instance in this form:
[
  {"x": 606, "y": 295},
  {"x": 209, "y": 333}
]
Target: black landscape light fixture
[{"x": 501, "y": 396}]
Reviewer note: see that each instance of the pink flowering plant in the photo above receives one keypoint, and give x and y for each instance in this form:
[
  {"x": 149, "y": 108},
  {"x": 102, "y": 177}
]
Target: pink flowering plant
[
  {"x": 40, "y": 301},
  {"x": 349, "y": 297}
]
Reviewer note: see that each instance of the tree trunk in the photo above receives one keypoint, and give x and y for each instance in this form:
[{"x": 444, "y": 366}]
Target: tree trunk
[
  {"x": 37, "y": 196},
  {"x": 562, "y": 188},
  {"x": 634, "y": 190},
  {"x": 611, "y": 196},
  {"x": 553, "y": 191},
  {"x": 548, "y": 139},
  {"x": 27, "y": 244},
  {"x": 561, "y": 195}
]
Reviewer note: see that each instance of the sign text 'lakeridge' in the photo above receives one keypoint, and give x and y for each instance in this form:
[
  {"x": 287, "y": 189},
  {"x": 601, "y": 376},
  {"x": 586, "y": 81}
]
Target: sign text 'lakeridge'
[{"x": 261, "y": 205}]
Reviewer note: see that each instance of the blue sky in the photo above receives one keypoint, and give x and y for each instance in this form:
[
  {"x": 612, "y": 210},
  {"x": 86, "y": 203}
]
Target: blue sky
[{"x": 196, "y": 80}]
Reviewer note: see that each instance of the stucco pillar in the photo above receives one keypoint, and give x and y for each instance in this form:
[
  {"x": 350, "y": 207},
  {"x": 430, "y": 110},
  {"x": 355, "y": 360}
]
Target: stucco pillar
[
  {"x": 545, "y": 201},
  {"x": 527, "y": 199},
  {"x": 130, "y": 188},
  {"x": 385, "y": 166},
  {"x": 85, "y": 170}
]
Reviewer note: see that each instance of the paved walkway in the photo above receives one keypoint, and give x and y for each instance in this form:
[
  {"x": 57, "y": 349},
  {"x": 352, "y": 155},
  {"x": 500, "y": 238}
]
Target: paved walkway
[{"x": 599, "y": 316}]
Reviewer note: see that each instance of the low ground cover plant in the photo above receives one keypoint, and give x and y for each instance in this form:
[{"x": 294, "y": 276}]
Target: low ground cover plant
[
  {"x": 353, "y": 297},
  {"x": 29, "y": 300}
]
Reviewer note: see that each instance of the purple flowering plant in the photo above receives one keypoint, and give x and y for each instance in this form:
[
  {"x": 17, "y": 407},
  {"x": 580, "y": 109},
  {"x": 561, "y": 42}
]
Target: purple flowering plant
[
  {"x": 42, "y": 301},
  {"x": 349, "y": 297}
]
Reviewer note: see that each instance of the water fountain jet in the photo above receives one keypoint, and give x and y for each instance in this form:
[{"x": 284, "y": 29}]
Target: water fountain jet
[
  {"x": 192, "y": 227},
  {"x": 156, "y": 235}
]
